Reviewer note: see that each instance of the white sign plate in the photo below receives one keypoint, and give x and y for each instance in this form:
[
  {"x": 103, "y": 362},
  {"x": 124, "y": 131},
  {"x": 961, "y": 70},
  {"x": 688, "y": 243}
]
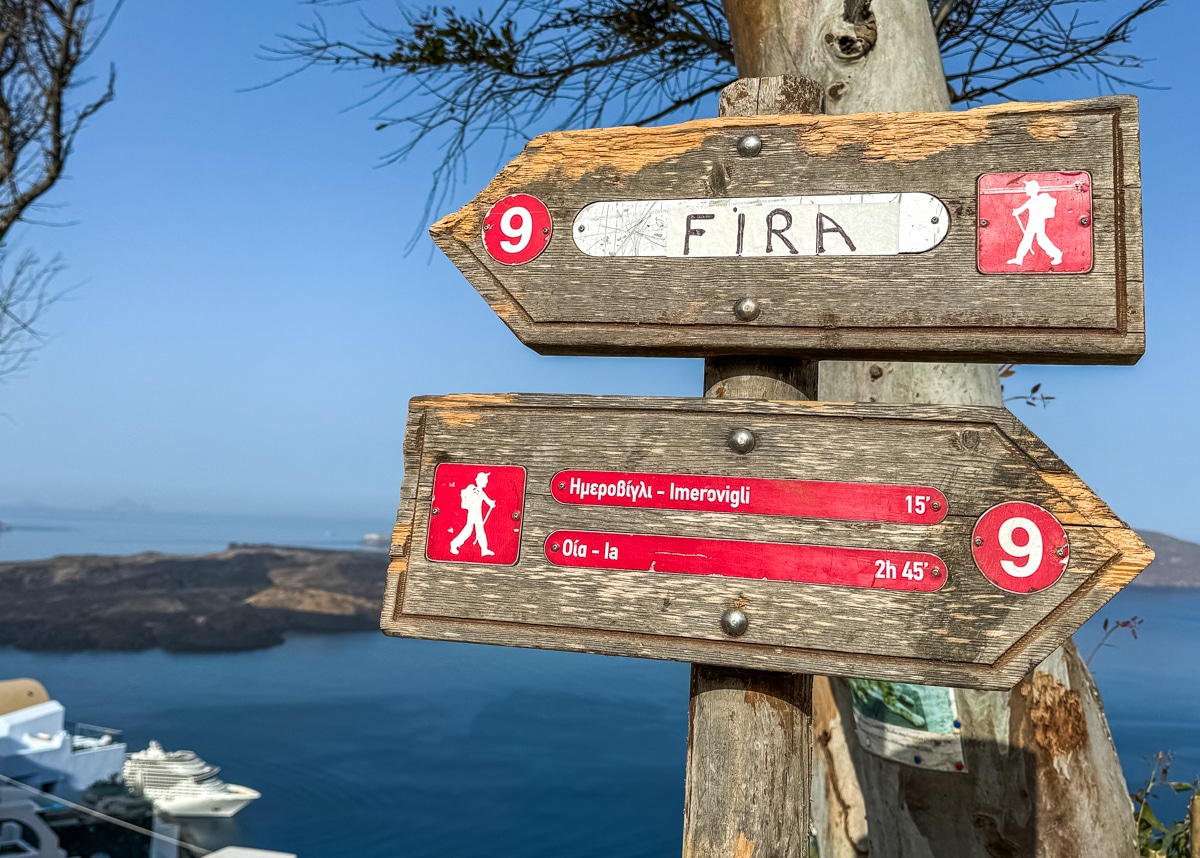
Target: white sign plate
[{"x": 831, "y": 224}]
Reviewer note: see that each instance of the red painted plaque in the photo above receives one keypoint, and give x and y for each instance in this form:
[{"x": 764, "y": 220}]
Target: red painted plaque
[
  {"x": 773, "y": 561},
  {"x": 798, "y": 498},
  {"x": 476, "y": 514},
  {"x": 517, "y": 229},
  {"x": 1020, "y": 547},
  {"x": 1035, "y": 223}
]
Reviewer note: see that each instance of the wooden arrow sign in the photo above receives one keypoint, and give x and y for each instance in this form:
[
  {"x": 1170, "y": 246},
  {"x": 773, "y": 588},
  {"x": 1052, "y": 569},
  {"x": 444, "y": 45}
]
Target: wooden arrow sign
[
  {"x": 911, "y": 543},
  {"x": 1007, "y": 233}
]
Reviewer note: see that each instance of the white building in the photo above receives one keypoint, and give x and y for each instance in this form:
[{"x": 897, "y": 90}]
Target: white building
[{"x": 39, "y": 749}]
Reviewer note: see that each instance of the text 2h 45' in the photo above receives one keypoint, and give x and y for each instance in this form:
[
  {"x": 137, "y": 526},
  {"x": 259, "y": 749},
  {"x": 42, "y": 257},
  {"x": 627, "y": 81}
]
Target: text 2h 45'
[{"x": 913, "y": 570}]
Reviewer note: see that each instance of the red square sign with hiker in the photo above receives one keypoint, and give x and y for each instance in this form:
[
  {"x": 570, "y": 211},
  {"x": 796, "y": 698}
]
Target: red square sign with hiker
[
  {"x": 1035, "y": 223},
  {"x": 476, "y": 514}
]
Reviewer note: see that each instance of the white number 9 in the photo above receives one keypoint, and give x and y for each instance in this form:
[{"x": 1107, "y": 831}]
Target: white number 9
[
  {"x": 516, "y": 235},
  {"x": 1031, "y": 551}
]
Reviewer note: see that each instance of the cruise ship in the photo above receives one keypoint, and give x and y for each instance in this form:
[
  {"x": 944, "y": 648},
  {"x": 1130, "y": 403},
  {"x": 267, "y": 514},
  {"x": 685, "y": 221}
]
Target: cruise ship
[{"x": 181, "y": 784}]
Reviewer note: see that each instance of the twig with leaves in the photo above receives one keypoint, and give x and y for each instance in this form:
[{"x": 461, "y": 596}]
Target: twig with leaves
[
  {"x": 1110, "y": 627},
  {"x": 1033, "y": 397},
  {"x": 1155, "y": 839}
]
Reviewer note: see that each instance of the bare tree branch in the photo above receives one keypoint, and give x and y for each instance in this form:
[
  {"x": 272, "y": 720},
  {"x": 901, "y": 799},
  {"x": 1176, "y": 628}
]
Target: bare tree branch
[
  {"x": 451, "y": 77},
  {"x": 42, "y": 43},
  {"x": 457, "y": 77},
  {"x": 26, "y": 294},
  {"x": 989, "y": 46}
]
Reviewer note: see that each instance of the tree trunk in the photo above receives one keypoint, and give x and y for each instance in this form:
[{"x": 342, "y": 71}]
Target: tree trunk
[{"x": 1041, "y": 774}]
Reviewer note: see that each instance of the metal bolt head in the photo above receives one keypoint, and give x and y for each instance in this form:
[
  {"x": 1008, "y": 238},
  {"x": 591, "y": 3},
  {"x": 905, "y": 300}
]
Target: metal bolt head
[
  {"x": 936, "y": 505},
  {"x": 1084, "y": 221},
  {"x": 749, "y": 146},
  {"x": 1061, "y": 551},
  {"x": 983, "y": 223},
  {"x": 934, "y": 219},
  {"x": 747, "y": 309},
  {"x": 935, "y": 572},
  {"x": 742, "y": 441},
  {"x": 516, "y": 515},
  {"x": 435, "y": 510},
  {"x": 561, "y": 486},
  {"x": 978, "y": 541},
  {"x": 554, "y": 547},
  {"x": 734, "y": 622}
]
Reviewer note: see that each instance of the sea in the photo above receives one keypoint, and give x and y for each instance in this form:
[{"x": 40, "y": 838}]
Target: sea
[{"x": 369, "y": 746}]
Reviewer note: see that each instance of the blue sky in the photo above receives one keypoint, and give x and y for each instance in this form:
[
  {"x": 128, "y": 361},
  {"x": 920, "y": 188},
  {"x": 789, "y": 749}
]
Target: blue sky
[{"x": 247, "y": 329}]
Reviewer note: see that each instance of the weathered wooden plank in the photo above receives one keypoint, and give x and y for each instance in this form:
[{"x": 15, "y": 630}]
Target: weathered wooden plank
[
  {"x": 749, "y": 763},
  {"x": 969, "y": 632},
  {"x": 932, "y": 305}
]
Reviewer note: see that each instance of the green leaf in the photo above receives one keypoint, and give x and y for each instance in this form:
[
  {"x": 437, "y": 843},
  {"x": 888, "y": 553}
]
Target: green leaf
[{"x": 1148, "y": 817}]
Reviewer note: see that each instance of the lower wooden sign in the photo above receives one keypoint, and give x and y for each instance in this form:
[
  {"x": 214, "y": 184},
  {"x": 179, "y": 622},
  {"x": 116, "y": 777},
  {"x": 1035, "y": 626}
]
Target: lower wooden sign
[{"x": 923, "y": 544}]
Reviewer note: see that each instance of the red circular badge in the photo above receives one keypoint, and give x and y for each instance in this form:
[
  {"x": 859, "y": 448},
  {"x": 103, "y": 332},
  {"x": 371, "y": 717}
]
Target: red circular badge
[
  {"x": 1020, "y": 547},
  {"x": 517, "y": 229}
]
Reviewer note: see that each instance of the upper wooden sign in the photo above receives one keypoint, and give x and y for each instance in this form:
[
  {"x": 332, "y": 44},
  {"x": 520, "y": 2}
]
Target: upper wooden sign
[
  {"x": 913, "y": 543},
  {"x": 1008, "y": 233}
]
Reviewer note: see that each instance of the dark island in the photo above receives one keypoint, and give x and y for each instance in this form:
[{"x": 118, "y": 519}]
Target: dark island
[
  {"x": 1176, "y": 562},
  {"x": 246, "y": 597},
  {"x": 250, "y": 596}
]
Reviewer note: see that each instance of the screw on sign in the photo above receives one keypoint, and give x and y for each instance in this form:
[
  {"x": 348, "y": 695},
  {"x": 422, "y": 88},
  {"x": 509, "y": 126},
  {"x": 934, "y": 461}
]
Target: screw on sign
[
  {"x": 517, "y": 229},
  {"x": 1019, "y": 547}
]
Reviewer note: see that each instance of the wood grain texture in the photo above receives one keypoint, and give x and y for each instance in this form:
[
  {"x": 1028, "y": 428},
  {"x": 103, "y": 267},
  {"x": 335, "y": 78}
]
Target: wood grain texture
[
  {"x": 1194, "y": 809},
  {"x": 930, "y": 306},
  {"x": 969, "y": 633},
  {"x": 785, "y": 93},
  {"x": 750, "y": 377},
  {"x": 749, "y": 757},
  {"x": 749, "y": 761}
]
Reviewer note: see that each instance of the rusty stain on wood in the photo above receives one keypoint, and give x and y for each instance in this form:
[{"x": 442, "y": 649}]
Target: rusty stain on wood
[
  {"x": 1135, "y": 556},
  {"x": 1053, "y": 128},
  {"x": 472, "y": 400},
  {"x": 401, "y": 534},
  {"x": 505, "y": 309},
  {"x": 1056, "y": 712},
  {"x": 744, "y": 847},
  {"x": 898, "y": 136},
  {"x": 456, "y": 410},
  {"x": 1089, "y": 510}
]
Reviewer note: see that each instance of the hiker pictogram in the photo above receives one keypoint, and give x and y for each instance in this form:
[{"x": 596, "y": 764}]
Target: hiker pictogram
[
  {"x": 472, "y": 498},
  {"x": 1038, "y": 209},
  {"x": 476, "y": 513}
]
